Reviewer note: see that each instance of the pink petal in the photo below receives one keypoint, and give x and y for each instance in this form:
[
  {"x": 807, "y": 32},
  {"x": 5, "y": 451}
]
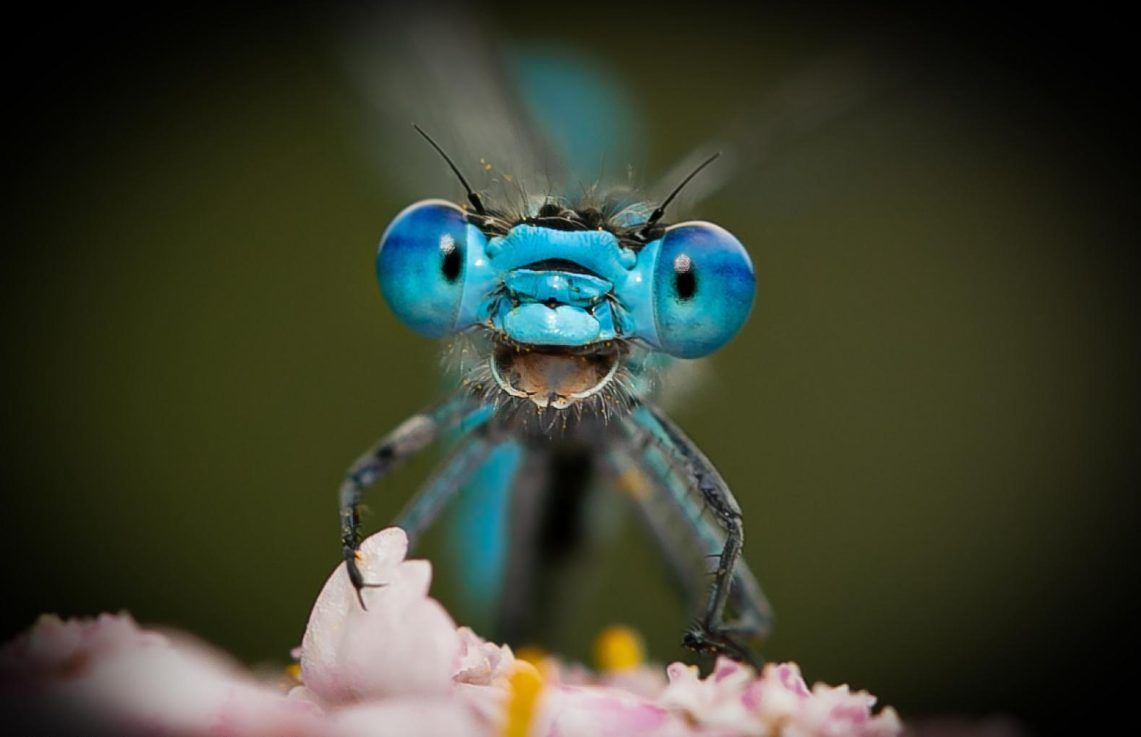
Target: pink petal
[
  {"x": 481, "y": 663},
  {"x": 112, "y": 677},
  {"x": 840, "y": 712},
  {"x": 593, "y": 711},
  {"x": 409, "y": 717},
  {"x": 716, "y": 702},
  {"x": 404, "y": 643}
]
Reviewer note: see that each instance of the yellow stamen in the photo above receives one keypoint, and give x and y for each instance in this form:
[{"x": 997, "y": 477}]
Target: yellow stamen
[
  {"x": 525, "y": 686},
  {"x": 293, "y": 670},
  {"x": 618, "y": 648},
  {"x": 536, "y": 656}
]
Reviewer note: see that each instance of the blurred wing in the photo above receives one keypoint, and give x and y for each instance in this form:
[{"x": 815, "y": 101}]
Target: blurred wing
[
  {"x": 519, "y": 122},
  {"x": 803, "y": 104},
  {"x": 583, "y": 109},
  {"x": 797, "y": 107}
]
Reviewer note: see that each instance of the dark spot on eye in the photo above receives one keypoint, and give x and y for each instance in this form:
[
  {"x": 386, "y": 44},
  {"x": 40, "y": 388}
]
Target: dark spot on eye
[
  {"x": 686, "y": 285},
  {"x": 452, "y": 263},
  {"x": 685, "y": 278}
]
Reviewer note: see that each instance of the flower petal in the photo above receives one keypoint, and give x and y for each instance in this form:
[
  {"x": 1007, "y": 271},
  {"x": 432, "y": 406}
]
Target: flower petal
[
  {"x": 595, "y": 711},
  {"x": 481, "y": 663},
  {"x": 108, "y": 676},
  {"x": 404, "y": 643},
  {"x": 409, "y": 717}
]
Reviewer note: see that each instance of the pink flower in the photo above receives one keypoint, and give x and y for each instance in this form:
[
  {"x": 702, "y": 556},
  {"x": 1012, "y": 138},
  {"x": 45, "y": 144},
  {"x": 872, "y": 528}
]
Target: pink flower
[
  {"x": 403, "y": 667},
  {"x": 778, "y": 703},
  {"x": 109, "y": 676}
]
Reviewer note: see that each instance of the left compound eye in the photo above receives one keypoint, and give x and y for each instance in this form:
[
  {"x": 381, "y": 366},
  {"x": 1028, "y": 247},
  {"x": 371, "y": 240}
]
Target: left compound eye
[
  {"x": 703, "y": 289},
  {"x": 420, "y": 266}
]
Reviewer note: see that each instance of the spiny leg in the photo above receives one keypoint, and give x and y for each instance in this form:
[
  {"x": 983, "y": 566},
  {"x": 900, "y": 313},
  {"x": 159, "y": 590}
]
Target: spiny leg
[
  {"x": 410, "y": 437},
  {"x": 711, "y": 633},
  {"x": 684, "y": 534}
]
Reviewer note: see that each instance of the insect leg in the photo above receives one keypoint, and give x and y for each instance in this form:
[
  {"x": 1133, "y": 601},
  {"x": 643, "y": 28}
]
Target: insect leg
[
  {"x": 410, "y": 437},
  {"x": 685, "y": 536},
  {"x": 688, "y": 466}
]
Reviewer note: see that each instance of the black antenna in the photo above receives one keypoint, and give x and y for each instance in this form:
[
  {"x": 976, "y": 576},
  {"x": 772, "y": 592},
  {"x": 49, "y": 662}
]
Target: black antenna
[
  {"x": 472, "y": 197},
  {"x": 656, "y": 215}
]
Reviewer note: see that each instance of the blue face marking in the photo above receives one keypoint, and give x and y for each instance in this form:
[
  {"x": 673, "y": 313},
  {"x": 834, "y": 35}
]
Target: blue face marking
[
  {"x": 580, "y": 290},
  {"x": 686, "y": 293}
]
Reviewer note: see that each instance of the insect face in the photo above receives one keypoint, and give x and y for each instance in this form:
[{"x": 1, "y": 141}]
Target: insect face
[{"x": 564, "y": 304}]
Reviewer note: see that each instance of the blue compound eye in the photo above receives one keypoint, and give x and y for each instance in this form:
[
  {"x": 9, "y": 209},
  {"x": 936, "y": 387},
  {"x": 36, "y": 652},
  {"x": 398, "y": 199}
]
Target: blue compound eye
[
  {"x": 421, "y": 264},
  {"x": 703, "y": 289}
]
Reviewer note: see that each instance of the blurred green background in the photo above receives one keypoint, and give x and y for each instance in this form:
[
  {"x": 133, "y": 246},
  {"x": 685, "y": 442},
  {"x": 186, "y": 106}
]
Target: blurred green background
[{"x": 928, "y": 420}]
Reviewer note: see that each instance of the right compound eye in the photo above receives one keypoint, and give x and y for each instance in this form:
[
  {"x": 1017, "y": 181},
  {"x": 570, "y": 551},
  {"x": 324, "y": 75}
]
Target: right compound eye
[{"x": 420, "y": 266}]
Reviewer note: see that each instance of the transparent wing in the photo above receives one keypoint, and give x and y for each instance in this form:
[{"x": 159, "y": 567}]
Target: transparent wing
[
  {"x": 804, "y": 103},
  {"x": 519, "y": 122}
]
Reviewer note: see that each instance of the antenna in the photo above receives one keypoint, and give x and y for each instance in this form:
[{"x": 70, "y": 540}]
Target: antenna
[
  {"x": 660, "y": 210},
  {"x": 472, "y": 197}
]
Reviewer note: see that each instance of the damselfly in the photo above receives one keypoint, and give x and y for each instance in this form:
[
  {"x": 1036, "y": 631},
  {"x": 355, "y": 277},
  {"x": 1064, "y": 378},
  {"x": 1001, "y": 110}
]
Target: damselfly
[
  {"x": 564, "y": 304},
  {"x": 566, "y": 307}
]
